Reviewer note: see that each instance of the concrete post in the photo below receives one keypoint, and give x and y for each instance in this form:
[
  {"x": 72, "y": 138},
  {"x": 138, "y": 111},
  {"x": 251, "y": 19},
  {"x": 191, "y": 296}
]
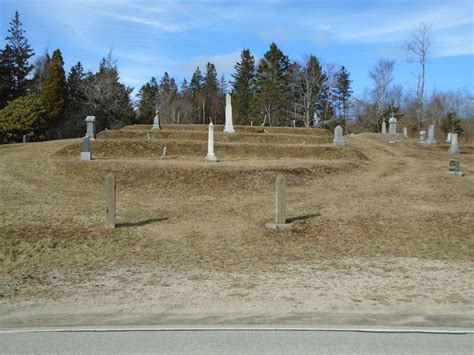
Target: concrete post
[
  {"x": 280, "y": 200},
  {"x": 110, "y": 193}
]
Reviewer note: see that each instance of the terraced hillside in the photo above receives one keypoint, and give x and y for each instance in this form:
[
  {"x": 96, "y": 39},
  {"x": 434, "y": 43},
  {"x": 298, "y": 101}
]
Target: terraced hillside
[{"x": 369, "y": 203}]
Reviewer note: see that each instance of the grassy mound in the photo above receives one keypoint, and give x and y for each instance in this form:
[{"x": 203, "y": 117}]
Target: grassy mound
[
  {"x": 183, "y": 135},
  {"x": 131, "y": 148}
]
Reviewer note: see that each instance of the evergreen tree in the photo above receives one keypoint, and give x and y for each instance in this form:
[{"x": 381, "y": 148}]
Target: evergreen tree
[
  {"x": 148, "y": 101},
  {"x": 7, "y": 76},
  {"x": 211, "y": 85},
  {"x": 271, "y": 83},
  {"x": 54, "y": 92},
  {"x": 21, "y": 52},
  {"x": 168, "y": 92},
  {"x": 77, "y": 102},
  {"x": 22, "y": 116},
  {"x": 243, "y": 87},
  {"x": 196, "y": 87},
  {"x": 343, "y": 93},
  {"x": 451, "y": 123},
  {"x": 107, "y": 98}
]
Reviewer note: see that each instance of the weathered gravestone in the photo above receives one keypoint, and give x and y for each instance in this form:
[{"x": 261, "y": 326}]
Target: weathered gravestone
[
  {"x": 448, "y": 138},
  {"x": 156, "y": 121},
  {"x": 229, "y": 126},
  {"x": 422, "y": 137},
  {"x": 280, "y": 205},
  {"x": 454, "y": 149},
  {"x": 211, "y": 157},
  {"x": 431, "y": 139},
  {"x": 338, "y": 141},
  {"x": 294, "y": 123},
  {"x": 384, "y": 127},
  {"x": 110, "y": 197},
  {"x": 26, "y": 139},
  {"x": 392, "y": 125},
  {"x": 86, "y": 149},
  {"x": 454, "y": 168},
  {"x": 165, "y": 151},
  {"x": 90, "y": 122},
  {"x": 405, "y": 132}
]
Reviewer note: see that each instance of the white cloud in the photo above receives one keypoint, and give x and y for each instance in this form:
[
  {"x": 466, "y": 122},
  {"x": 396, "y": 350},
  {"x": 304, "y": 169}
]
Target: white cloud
[{"x": 224, "y": 62}]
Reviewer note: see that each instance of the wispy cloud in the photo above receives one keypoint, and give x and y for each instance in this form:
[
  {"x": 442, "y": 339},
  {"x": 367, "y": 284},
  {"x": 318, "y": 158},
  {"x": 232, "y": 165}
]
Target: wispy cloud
[{"x": 224, "y": 62}]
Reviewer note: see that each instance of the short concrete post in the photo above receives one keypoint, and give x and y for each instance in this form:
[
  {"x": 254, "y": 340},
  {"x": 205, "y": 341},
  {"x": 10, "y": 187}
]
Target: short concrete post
[
  {"x": 294, "y": 123},
  {"x": 280, "y": 216},
  {"x": 164, "y": 154},
  {"x": 384, "y": 127},
  {"x": 251, "y": 123},
  {"x": 110, "y": 193},
  {"x": 25, "y": 138}
]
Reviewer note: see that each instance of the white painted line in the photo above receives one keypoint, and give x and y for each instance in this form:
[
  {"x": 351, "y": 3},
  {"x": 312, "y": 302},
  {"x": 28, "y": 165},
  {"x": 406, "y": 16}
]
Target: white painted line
[{"x": 253, "y": 329}]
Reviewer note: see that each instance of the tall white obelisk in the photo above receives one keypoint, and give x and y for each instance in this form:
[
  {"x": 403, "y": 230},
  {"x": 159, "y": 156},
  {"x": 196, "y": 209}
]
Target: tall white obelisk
[{"x": 229, "y": 127}]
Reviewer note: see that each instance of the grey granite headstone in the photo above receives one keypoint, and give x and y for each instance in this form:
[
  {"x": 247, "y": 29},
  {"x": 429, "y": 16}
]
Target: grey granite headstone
[
  {"x": 156, "y": 121},
  {"x": 90, "y": 121},
  {"x": 338, "y": 141},
  {"x": 454, "y": 168},
  {"x": 454, "y": 149},
  {"x": 86, "y": 149},
  {"x": 448, "y": 138},
  {"x": 25, "y": 138},
  {"x": 392, "y": 125},
  {"x": 384, "y": 127},
  {"x": 294, "y": 123},
  {"x": 431, "y": 139},
  {"x": 405, "y": 132},
  {"x": 422, "y": 137}
]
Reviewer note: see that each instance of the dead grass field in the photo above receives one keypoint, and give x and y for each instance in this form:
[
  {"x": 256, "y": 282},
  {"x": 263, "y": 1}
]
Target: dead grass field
[{"x": 370, "y": 200}]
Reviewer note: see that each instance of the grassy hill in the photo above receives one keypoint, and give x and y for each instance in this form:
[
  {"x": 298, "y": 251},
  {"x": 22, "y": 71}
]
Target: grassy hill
[{"x": 369, "y": 199}]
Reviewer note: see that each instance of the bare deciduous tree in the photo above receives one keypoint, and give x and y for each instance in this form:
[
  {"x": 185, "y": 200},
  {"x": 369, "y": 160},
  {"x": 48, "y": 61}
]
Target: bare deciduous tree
[
  {"x": 417, "y": 49},
  {"x": 382, "y": 78}
]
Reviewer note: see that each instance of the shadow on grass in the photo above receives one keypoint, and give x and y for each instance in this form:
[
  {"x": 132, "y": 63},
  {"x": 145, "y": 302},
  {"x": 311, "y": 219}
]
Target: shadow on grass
[
  {"x": 141, "y": 223},
  {"x": 306, "y": 216}
]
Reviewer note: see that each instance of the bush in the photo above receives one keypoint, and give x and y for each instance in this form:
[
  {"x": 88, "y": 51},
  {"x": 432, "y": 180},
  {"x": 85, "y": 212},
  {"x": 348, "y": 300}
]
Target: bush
[{"x": 23, "y": 116}]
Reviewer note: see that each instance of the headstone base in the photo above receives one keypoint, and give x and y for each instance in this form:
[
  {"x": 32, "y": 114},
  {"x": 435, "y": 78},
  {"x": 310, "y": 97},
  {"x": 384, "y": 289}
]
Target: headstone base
[
  {"x": 211, "y": 157},
  {"x": 338, "y": 143},
  {"x": 454, "y": 151},
  {"x": 229, "y": 129},
  {"x": 283, "y": 226},
  {"x": 455, "y": 173},
  {"x": 155, "y": 128},
  {"x": 431, "y": 141},
  {"x": 86, "y": 156}
]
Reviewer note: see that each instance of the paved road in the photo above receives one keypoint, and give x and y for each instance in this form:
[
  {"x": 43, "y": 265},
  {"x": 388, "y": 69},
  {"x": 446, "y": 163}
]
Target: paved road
[{"x": 234, "y": 342}]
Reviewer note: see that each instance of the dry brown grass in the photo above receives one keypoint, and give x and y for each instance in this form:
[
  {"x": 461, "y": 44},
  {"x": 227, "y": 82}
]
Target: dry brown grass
[{"x": 368, "y": 199}]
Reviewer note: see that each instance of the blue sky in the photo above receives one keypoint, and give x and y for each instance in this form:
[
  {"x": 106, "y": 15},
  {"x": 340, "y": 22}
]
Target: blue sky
[{"x": 150, "y": 37}]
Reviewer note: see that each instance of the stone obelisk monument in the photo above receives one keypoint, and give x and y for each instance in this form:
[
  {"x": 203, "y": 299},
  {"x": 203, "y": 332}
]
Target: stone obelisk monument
[
  {"x": 210, "y": 145},
  {"x": 229, "y": 127}
]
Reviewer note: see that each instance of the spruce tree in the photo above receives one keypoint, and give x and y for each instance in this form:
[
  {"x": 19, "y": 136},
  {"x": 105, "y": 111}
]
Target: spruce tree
[
  {"x": 54, "y": 91},
  {"x": 211, "y": 85},
  {"x": 148, "y": 101},
  {"x": 343, "y": 93},
  {"x": 21, "y": 53},
  {"x": 7, "y": 76},
  {"x": 243, "y": 87},
  {"x": 451, "y": 123},
  {"x": 271, "y": 83},
  {"x": 196, "y": 87}
]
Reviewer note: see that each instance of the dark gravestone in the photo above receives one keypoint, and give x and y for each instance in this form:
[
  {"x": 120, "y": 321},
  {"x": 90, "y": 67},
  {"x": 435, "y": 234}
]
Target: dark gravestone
[
  {"x": 454, "y": 168},
  {"x": 86, "y": 149}
]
